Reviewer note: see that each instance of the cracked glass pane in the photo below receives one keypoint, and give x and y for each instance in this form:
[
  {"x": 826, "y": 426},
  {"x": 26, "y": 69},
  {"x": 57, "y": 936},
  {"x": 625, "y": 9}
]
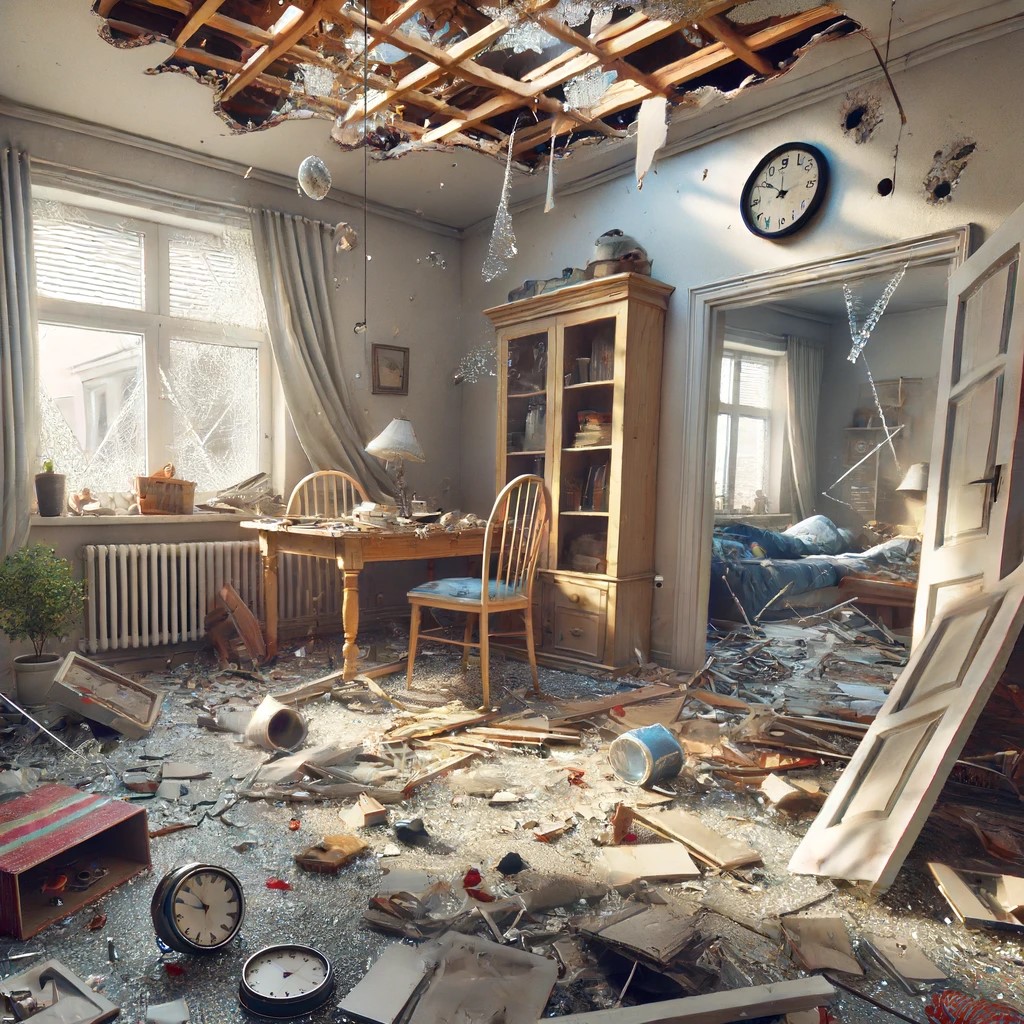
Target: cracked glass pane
[
  {"x": 92, "y": 406},
  {"x": 215, "y": 278},
  {"x": 214, "y": 393}
]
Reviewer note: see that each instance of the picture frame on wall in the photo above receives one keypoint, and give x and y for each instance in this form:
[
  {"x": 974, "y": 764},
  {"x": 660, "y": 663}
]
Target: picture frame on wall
[{"x": 390, "y": 365}]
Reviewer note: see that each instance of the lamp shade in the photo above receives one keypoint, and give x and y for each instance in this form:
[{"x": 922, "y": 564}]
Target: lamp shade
[
  {"x": 916, "y": 479},
  {"x": 397, "y": 441}
]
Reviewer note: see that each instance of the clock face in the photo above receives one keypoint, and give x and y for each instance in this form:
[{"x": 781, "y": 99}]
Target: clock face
[
  {"x": 198, "y": 908},
  {"x": 285, "y": 981},
  {"x": 785, "y": 190}
]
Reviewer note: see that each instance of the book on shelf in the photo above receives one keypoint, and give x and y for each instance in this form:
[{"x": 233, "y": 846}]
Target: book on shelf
[{"x": 602, "y": 359}]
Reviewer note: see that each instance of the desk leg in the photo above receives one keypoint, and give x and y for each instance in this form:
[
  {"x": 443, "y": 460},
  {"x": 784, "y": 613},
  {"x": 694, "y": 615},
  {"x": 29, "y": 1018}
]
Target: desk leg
[
  {"x": 350, "y": 622},
  {"x": 269, "y": 555}
]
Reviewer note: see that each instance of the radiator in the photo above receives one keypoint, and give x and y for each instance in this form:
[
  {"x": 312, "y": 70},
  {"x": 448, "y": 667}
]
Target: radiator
[{"x": 146, "y": 595}]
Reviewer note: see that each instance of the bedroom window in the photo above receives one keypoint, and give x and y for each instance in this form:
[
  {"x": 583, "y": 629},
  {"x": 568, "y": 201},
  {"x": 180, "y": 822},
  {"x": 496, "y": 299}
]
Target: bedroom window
[
  {"x": 153, "y": 348},
  {"x": 744, "y": 443}
]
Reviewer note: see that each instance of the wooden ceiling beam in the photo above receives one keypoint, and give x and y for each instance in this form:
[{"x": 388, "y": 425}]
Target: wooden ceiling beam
[
  {"x": 272, "y": 51},
  {"x": 199, "y": 18},
  {"x": 725, "y": 32}
]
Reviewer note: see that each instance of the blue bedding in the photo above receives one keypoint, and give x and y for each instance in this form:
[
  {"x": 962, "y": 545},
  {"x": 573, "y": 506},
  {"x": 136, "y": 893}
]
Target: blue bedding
[{"x": 750, "y": 566}]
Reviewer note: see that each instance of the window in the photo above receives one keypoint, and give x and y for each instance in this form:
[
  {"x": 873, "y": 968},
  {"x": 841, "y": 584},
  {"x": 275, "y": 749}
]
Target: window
[
  {"x": 153, "y": 349},
  {"x": 744, "y": 446}
]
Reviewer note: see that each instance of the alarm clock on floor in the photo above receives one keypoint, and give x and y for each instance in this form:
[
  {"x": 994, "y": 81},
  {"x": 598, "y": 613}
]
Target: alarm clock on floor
[
  {"x": 198, "y": 908},
  {"x": 286, "y": 980}
]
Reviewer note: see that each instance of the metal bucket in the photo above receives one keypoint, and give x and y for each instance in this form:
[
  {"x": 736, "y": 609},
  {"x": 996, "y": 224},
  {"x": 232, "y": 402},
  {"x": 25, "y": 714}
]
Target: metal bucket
[
  {"x": 274, "y": 726},
  {"x": 643, "y": 757}
]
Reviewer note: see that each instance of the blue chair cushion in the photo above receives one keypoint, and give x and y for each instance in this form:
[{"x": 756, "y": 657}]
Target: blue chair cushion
[{"x": 464, "y": 588}]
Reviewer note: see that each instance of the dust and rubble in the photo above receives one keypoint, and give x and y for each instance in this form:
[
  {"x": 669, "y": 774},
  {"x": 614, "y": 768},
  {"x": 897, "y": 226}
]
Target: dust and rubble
[
  {"x": 431, "y": 848},
  {"x": 947, "y": 168}
]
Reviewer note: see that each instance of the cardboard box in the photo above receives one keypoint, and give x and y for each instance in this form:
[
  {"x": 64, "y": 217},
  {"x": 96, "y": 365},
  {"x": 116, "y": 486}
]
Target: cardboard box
[
  {"x": 105, "y": 696},
  {"x": 58, "y": 832}
]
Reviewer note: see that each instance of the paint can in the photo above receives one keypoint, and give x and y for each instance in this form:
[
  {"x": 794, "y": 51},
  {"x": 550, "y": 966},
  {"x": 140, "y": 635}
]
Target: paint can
[
  {"x": 643, "y": 757},
  {"x": 274, "y": 726}
]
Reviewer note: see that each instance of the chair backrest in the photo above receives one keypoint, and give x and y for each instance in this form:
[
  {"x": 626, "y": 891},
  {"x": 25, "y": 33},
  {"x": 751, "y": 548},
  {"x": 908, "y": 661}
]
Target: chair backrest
[
  {"x": 514, "y": 532},
  {"x": 328, "y": 493}
]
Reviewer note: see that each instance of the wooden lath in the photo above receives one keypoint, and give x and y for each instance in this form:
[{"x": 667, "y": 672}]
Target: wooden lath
[{"x": 438, "y": 94}]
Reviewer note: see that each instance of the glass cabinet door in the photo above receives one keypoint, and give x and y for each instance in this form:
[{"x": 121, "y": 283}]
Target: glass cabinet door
[{"x": 526, "y": 404}]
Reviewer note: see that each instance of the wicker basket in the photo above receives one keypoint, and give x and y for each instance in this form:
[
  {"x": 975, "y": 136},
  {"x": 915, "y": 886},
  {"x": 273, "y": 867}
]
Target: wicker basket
[{"x": 163, "y": 495}]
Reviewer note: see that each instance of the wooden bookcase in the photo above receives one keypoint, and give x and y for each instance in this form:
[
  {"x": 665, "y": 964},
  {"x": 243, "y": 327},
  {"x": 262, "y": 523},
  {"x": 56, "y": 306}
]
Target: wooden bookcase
[{"x": 579, "y": 394}]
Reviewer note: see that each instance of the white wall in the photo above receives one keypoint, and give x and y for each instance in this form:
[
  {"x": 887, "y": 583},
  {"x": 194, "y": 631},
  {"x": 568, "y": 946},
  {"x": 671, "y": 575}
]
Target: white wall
[
  {"x": 902, "y": 345},
  {"x": 687, "y": 216}
]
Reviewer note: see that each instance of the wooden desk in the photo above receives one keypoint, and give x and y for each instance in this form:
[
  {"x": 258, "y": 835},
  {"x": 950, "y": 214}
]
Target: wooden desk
[{"x": 350, "y": 551}]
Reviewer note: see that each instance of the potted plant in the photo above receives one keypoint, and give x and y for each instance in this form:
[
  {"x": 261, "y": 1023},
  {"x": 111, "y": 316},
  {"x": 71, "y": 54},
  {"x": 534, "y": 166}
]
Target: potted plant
[
  {"x": 50, "y": 490},
  {"x": 40, "y": 599}
]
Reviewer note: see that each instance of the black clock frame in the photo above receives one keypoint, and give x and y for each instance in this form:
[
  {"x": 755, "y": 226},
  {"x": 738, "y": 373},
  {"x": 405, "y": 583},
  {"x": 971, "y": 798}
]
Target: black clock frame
[
  {"x": 276, "y": 1009},
  {"x": 162, "y": 909},
  {"x": 812, "y": 208}
]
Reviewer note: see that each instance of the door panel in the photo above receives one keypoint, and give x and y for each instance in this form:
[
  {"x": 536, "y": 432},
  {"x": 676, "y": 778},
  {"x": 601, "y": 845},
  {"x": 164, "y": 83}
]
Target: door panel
[
  {"x": 971, "y": 539},
  {"x": 873, "y": 816}
]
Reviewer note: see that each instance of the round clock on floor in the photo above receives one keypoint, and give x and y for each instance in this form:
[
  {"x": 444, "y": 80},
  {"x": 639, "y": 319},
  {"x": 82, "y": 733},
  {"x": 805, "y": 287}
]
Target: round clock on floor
[
  {"x": 784, "y": 190},
  {"x": 285, "y": 981},
  {"x": 198, "y": 908}
]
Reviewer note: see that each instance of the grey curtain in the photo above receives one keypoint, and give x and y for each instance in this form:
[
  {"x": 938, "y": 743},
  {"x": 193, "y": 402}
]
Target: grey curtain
[
  {"x": 805, "y": 361},
  {"x": 19, "y": 371},
  {"x": 295, "y": 258}
]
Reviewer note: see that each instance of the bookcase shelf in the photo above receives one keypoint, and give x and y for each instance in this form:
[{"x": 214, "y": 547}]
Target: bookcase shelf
[{"x": 585, "y": 362}]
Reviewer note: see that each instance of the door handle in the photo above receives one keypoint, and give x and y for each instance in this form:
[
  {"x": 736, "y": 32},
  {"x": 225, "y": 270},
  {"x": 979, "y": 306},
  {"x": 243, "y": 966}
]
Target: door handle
[{"x": 997, "y": 472}]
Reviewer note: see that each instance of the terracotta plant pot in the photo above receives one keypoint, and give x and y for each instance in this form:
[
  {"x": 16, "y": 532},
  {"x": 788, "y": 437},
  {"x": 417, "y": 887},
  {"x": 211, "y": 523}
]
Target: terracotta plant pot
[
  {"x": 33, "y": 677},
  {"x": 50, "y": 493}
]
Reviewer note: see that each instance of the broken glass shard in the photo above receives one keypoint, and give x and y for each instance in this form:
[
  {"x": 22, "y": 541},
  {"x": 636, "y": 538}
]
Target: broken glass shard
[
  {"x": 860, "y": 332},
  {"x": 502, "y": 247},
  {"x": 346, "y": 238},
  {"x": 314, "y": 177},
  {"x": 585, "y": 91}
]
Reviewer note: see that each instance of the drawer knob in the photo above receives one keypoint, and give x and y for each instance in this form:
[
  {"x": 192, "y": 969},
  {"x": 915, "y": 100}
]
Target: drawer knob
[
  {"x": 575, "y": 598},
  {"x": 576, "y": 631}
]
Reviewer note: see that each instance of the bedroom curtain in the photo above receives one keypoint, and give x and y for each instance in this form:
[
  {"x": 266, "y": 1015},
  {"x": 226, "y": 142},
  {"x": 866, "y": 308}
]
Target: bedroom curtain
[
  {"x": 295, "y": 259},
  {"x": 805, "y": 361},
  {"x": 19, "y": 371}
]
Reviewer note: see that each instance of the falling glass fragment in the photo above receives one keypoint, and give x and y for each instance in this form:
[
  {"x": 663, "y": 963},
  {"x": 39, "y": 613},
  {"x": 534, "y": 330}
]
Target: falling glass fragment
[
  {"x": 346, "y": 238},
  {"x": 549, "y": 197},
  {"x": 860, "y": 332},
  {"x": 502, "y": 247},
  {"x": 314, "y": 177},
  {"x": 476, "y": 364}
]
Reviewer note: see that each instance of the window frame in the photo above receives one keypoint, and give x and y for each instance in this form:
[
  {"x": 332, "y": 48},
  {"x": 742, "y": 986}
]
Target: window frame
[
  {"x": 157, "y": 327},
  {"x": 773, "y": 415}
]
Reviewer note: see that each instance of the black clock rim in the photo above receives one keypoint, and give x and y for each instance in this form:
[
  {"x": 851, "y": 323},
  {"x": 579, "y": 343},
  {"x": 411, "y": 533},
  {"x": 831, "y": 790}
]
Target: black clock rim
[
  {"x": 160, "y": 909},
  {"x": 816, "y": 199},
  {"x": 275, "y": 1009}
]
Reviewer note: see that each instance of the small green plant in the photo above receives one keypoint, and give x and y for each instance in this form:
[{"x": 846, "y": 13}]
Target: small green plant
[
  {"x": 39, "y": 596},
  {"x": 47, "y": 465}
]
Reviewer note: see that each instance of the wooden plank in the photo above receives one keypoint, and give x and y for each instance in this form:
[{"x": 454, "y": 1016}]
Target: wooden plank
[
  {"x": 880, "y": 803},
  {"x": 719, "y": 1007},
  {"x": 202, "y": 15},
  {"x": 725, "y": 32},
  {"x": 281, "y": 45},
  {"x": 579, "y": 710},
  {"x": 459, "y": 761},
  {"x": 663, "y": 862},
  {"x": 821, "y": 944},
  {"x": 708, "y": 845},
  {"x": 974, "y": 897}
]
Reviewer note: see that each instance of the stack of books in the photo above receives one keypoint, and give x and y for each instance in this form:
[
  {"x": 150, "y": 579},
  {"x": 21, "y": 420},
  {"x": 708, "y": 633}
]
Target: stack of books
[{"x": 595, "y": 428}]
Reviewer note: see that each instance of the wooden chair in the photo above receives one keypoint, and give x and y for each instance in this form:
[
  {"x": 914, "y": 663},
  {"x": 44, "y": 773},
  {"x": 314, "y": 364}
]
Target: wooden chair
[
  {"x": 328, "y": 493},
  {"x": 512, "y": 539}
]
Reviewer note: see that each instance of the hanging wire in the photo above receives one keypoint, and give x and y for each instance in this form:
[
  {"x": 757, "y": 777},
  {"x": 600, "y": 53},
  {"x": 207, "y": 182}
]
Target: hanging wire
[{"x": 366, "y": 94}]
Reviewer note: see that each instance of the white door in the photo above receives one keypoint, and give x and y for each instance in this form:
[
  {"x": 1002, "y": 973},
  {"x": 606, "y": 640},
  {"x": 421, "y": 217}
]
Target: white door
[
  {"x": 972, "y": 531},
  {"x": 874, "y": 814}
]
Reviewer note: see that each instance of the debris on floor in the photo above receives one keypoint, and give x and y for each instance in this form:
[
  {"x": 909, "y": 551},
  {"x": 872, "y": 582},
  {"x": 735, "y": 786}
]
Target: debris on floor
[{"x": 498, "y": 865}]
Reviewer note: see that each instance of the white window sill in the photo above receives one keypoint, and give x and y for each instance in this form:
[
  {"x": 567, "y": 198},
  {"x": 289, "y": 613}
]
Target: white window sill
[{"x": 117, "y": 521}]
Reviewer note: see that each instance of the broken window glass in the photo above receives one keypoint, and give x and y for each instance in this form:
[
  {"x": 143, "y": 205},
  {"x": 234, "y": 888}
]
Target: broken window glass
[
  {"x": 214, "y": 393},
  {"x": 92, "y": 406}
]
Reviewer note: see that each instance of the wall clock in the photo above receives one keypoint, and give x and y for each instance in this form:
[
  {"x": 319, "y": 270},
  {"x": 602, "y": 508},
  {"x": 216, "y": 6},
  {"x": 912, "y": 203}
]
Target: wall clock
[
  {"x": 198, "y": 908},
  {"x": 784, "y": 190},
  {"x": 285, "y": 981}
]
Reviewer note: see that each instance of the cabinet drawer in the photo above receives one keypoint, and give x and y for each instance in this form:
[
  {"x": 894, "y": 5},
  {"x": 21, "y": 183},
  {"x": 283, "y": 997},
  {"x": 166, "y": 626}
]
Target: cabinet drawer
[
  {"x": 579, "y": 632},
  {"x": 579, "y": 597}
]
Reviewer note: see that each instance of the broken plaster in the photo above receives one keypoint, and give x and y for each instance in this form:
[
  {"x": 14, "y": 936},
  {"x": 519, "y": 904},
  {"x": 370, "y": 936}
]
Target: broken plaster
[
  {"x": 947, "y": 168},
  {"x": 860, "y": 115}
]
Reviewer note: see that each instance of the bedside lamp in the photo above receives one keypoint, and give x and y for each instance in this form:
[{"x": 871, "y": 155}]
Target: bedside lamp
[
  {"x": 915, "y": 480},
  {"x": 397, "y": 443}
]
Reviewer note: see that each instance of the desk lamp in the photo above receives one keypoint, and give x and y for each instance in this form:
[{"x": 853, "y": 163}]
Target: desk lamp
[{"x": 397, "y": 443}]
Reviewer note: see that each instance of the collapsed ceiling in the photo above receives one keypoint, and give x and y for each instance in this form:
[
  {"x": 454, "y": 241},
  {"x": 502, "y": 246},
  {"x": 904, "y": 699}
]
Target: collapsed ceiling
[{"x": 441, "y": 73}]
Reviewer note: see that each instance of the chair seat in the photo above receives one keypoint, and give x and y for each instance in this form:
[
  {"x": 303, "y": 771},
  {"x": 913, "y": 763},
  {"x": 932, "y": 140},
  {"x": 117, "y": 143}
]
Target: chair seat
[{"x": 466, "y": 589}]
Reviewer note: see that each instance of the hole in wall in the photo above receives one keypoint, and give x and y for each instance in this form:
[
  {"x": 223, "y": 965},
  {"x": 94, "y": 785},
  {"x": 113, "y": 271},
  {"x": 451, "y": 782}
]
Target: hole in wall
[
  {"x": 885, "y": 187},
  {"x": 854, "y": 118},
  {"x": 947, "y": 168},
  {"x": 860, "y": 115},
  {"x": 943, "y": 190}
]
